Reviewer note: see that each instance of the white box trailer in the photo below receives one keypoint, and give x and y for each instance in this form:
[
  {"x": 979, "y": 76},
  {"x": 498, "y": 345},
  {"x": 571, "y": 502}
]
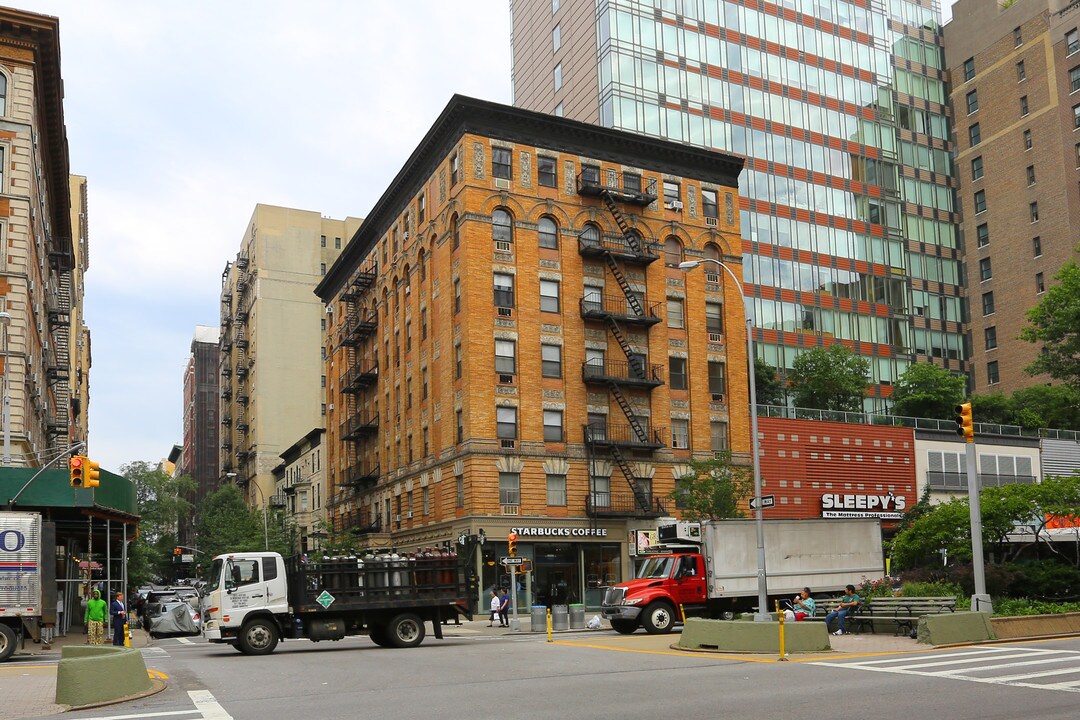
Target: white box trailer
[{"x": 20, "y": 576}]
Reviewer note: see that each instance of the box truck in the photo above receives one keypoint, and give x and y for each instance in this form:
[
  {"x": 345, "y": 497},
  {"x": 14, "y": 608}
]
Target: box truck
[{"x": 21, "y": 566}]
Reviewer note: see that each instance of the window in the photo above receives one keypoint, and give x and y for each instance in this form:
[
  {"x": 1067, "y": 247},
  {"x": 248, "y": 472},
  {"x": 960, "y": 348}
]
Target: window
[
  {"x": 551, "y": 361},
  {"x": 3, "y": 94},
  {"x": 1018, "y": 37},
  {"x": 506, "y": 423},
  {"x": 631, "y": 182},
  {"x": 1030, "y": 174},
  {"x": 714, "y": 319},
  {"x": 1036, "y": 246},
  {"x": 547, "y": 172},
  {"x": 322, "y": 268},
  {"x": 322, "y": 241},
  {"x": 976, "y": 168},
  {"x": 460, "y": 439},
  {"x": 1074, "y": 79},
  {"x": 969, "y": 69},
  {"x": 501, "y": 165},
  {"x": 677, "y": 373},
  {"x": 985, "y": 271},
  {"x": 504, "y": 290},
  {"x": 556, "y": 39},
  {"x": 457, "y": 295},
  {"x": 1023, "y": 106},
  {"x": 680, "y": 433},
  {"x": 337, "y": 243},
  {"x": 423, "y": 323},
  {"x": 1076, "y": 117},
  {"x": 455, "y": 168},
  {"x": 708, "y": 204},
  {"x": 590, "y": 175},
  {"x": 502, "y": 229},
  {"x": 601, "y": 491},
  {"x": 558, "y": 77},
  {"x": 554, "y": 6},
  {"x": 671, "y": 192},
  {"x": 553, "y": 429},
  {"x": 505, "y": 357},
  {"x": 974, "y": 135},
  {"x": 972, "y": 101},
  {"x": 1072, "y": 41},
  {"x": 992, "y": 375},
  {"x": 558, "y": 110},
  {"x": 457, "y": 362},
  {"x": 1033, "y": 211},
  {"x": 509, "y": 488},
  {"x": 556, "y": 490},
  {"x": 455, "y": 236},
  {"x": 423, "y": 385},
  {"x": 980, "y": 201},
  {"x": 549, "y": 296},
  {"x": 718, "y": 432},
  {"x": 548, "y": 233},
  {"x": 988, "y": 303},
  {"x": 1021, "y": 73},
  {"x": 675, "y": 316},
  {"x": 421, "y": 208},
  {"x": 982, "y": 235},
  {"x": 717, "y": 380},
  {"x": 1040, "y": 284},
  {"x": 672, "y": 252},
  {"x": 1028, "y": 141},
  {"x": 990, "y": 337},
  {"x": 426, "y": 496}
]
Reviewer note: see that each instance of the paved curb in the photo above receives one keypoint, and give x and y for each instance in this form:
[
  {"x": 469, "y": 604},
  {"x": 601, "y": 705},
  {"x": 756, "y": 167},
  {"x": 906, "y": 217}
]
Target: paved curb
[{"x": 156, "y": 687}]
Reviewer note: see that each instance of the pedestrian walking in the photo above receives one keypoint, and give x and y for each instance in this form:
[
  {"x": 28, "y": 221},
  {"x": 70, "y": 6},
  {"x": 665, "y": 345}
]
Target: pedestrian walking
[
  {"x": 118, "y": 611},
  {"x": 61, "y": 629},
  {"x": 495, "y": 603},
  {"x": 96, "y": 611},
  {"x": 504, "y": 609}
]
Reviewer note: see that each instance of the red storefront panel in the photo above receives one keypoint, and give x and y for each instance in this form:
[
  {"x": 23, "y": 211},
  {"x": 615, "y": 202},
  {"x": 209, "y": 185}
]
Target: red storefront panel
[{"x": 826, "y": 469}]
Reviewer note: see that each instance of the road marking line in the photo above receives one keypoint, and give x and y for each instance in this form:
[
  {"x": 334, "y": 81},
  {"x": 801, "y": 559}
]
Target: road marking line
[
  {"x": 1063, "y": 686},
  {"x": 208, "y": 706},
  {"x": 185, "y": 641},
  {"x": 157, "y": 674},
  {"x": 28, "y": 667},
  {"x": 1044, "y": 673},
  {"x": 1003, "y": 666},
  {"x": 659, "y": 652},
  {"x": 148, "y": 715},
  {"x": 981, "y": 652}
]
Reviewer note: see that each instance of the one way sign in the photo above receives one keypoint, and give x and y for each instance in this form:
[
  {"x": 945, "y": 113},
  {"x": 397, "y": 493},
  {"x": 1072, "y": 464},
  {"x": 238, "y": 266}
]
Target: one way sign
[{"x": 765, "y": 501}]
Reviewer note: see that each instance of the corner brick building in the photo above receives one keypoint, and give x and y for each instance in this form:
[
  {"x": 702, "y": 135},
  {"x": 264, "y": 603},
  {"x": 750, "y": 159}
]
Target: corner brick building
[
  {"x": 513, "y": 346},
  {"x": 1016, "y": 96}
]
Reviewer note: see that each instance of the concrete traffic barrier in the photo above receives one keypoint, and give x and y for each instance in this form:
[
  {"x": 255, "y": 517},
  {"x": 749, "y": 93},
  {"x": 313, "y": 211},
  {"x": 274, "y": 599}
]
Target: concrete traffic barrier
[
  {"x": 1021, "y": 626},
  {"x": 955, "y": 627},
  {"x": 97, "y": 674},
  {"x": 756, "y": 637}
]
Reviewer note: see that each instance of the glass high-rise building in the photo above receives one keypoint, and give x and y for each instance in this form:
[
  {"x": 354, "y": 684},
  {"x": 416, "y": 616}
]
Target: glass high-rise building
[{"x": 847, "y": 217}]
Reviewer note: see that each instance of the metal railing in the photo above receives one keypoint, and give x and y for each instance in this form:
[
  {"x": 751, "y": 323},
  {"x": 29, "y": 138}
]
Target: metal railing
[
  {"x": 940, "y": 480},
  {"x": 596, "y": 304},
  {"x": 623, "y": 504},
  {"x": 624, "y": 435},
  {"x": 621, "y": 370},
  {"x": 596, "y": 244}
]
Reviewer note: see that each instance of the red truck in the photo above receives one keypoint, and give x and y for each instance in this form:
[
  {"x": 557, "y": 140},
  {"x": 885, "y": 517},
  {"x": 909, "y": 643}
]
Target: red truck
[{"x": 710, "y": 569}]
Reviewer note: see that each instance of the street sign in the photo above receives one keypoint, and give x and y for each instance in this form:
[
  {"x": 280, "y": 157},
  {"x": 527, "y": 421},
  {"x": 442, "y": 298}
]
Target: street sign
[
  {"x": 765, "y": 501},
  {"x": 512, "y": 561}
]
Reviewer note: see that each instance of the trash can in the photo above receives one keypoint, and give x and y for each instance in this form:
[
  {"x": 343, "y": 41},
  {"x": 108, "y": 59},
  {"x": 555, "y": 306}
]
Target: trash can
[
  {"x": 539, "y": 618},
  {"x": 577, "y": 617},
  {"x": 560, "y": 617}
]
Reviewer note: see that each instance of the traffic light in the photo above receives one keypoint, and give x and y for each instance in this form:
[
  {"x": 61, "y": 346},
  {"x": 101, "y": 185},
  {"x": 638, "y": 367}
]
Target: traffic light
[
  {"x": 511, "y": 544},
  {"x": 92, "y": 473},
  {"x": 177, "y": 551},
  {"x": 76, "y": 465},
  {"x": 964, "y": 423}
]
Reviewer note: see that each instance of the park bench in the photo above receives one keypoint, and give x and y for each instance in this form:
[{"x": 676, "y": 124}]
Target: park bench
[{"x": 901, "y": 612}]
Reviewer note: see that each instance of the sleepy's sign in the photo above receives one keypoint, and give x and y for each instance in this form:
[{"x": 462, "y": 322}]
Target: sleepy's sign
[{"x": 883, "y": 507}]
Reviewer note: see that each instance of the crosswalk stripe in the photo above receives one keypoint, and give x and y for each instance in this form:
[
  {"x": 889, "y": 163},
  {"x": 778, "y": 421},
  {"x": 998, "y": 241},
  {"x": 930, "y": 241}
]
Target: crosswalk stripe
[
  {"x": 1043, "y": 673},
  {"x": 1003, "y": 666},
  {"x": 907, "y": 658},
  {"x": 964, "y": 661}
]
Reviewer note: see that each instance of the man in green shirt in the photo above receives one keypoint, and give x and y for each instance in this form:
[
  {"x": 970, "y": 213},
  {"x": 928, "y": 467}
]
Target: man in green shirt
[
  {"x": 96, "y": 611},
  {"x": 847, "y": 604}
]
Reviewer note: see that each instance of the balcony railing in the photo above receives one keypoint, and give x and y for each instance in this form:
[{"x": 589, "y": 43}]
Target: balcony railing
[
  {"x": 607, "y": 434},
  {"x": 359, "y": 376},
  {"x": 622, "y": 372},
  {"x": 588, "y": 183},
  {"x": 357, "y": 426},
  {"x": 593, "y": 246},
  {"x": 359, "y": 474},
  {"x": 606, "y": 504},
  {"x": 939, "y": 480},
  {"x": 595, "y": 306}
]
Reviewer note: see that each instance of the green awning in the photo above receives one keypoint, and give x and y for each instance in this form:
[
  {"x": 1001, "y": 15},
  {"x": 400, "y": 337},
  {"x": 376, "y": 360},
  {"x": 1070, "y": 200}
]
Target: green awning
[{"x": 52, "y": 489}]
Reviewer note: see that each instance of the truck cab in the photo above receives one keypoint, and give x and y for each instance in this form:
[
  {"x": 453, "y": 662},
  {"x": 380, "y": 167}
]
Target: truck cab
[
  {"x": 244, "y": 591},
  {"x": 669, "y": 582}
]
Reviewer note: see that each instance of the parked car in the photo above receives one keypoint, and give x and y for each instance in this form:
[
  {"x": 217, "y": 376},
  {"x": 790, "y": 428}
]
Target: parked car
[
  {"x": 166, "y": 621},
  {"x": 151, "y": 607}
]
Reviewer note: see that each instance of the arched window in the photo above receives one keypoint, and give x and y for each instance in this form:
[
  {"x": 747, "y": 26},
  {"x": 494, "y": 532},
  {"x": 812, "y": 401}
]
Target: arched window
[
  {"x": 672, "y": 252},
  {"x": 406, "y": 280},
  {"x": 590, "y": 235},
  {"x": 455, "y": 238},
  {"x": 712, "y": 252},
  {"x": 501, "y": 226},
  {"x": 548, "y": 232},
  {"x": 421, "y": 266},
  {"x": 3, "y": 94}
]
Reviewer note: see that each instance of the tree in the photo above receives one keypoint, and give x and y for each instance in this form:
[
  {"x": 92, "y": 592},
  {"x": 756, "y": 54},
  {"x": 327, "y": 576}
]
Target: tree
[
  {"x": 995, "y": 408},
  {"x": 1055, "y": 323},
  {"x": 767, "y": 384},
  {"x": 162, "y": 506},
  {"x": 1052, "y": 406},
  {"x": 227, "y": 524},
  {"x": 714, "y": 489},
  {"x": 926, "y": 390},
  {"x": 832, "y": 378}
]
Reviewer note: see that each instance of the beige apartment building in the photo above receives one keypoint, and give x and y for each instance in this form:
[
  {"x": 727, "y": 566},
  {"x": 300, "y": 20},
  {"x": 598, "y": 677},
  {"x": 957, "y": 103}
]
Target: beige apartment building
[
  {"x": 37, "y": 246},
  {"x": 272, "y": 325},
  {"x": 301, "y": 480},
  {"x": 79, "y": 334},
  {"x": 1016, "y": 97}
]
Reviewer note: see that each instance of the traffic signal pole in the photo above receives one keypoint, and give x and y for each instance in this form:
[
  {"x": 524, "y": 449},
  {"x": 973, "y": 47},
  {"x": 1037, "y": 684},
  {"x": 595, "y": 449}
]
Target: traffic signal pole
[
  {"x": 965, "y": 428},
  {"x": 13, "y": 500}
]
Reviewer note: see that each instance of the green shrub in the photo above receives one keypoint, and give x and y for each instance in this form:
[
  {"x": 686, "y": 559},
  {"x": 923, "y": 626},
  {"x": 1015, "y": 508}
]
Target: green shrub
[
  {"x": 931, "y": 589},
  {"x": 1045, "y": 580},
  {"x": 1024, "y": 606}
]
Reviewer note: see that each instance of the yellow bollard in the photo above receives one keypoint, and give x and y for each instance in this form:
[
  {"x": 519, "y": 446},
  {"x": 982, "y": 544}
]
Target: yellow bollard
[
  {"x": 779, "y": 612},
  {"x": 127, "y": 635},
  {"x": 549, "y": 625},
  {"x": 682, "y": 611}
]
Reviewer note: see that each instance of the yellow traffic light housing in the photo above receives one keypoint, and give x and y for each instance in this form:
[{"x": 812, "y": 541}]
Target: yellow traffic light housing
[
  {"x": 76, "y": 466},
  {"x": 965, "y": 424},
  {"x": 511, "y": 544},
  {"x": 92, "y": 473}
]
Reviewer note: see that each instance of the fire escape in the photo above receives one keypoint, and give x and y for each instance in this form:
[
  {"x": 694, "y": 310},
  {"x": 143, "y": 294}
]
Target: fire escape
[
  {"x": 358, "y": 383},
  {"x": 241, "y": 364},
  {"x": 225, "y": 347},
  {"x": 634, "y": 377},
  {"x": 58, "y": 370}
]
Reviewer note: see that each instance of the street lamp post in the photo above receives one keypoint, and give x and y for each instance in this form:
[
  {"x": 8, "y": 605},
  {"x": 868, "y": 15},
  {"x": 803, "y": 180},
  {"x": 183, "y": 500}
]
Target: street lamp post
[
  {"x": 762, "y": 614},
  {"x": 266, "y": 532},
  {"x": 5, "y": 320}
]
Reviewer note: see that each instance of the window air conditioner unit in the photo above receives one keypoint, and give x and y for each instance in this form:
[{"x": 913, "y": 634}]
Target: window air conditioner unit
[
  {"x": 674, "y": 205},
  {"x": 710, "y": 221},
  {"x": 397, "y": 518},
  {"x": 502, "y": 183},
  {"x": 330, "y": 406},
  {"x": 408, "y": 515},
  {"x": 718, "y": 397},
  {"x": 505, "y": 312},
  {"x": 329, "y": 309},
  {"x": 502, "y": 246},
  {"x": 716, "y": 337},
  {"x": 506, "y": 379}
]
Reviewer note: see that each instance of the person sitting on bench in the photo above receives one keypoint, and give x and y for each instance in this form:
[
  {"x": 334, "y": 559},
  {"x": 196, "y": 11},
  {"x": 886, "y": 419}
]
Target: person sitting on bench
[
  {"x": 847, "y": 604},
  {"x": 802, "y": 606}
]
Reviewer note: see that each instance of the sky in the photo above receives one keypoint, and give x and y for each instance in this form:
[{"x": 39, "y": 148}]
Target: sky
[{"x": 184, "y": 116}]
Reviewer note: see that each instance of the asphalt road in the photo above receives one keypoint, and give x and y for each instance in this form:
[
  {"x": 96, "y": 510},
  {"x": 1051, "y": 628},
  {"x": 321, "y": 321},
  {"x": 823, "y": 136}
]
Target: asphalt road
[{"x": 596, "y": 676}]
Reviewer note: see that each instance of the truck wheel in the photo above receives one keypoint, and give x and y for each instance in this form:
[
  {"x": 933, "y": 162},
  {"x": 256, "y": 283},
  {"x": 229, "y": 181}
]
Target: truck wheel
[
  {"x": 258, "y": 637},
  {"x": 7, "y": 642},
  {"x": 658, "y": 618},
  {"x": 377, "y": 633},
  {"x": 624, "y": 627},
  {"x": 405, "y": 630}
]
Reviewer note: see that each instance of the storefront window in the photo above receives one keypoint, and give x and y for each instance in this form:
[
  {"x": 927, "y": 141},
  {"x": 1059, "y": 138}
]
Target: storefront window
[
  {"x": 555, "y": 580},
  {"x": 602, "y": 570}
]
